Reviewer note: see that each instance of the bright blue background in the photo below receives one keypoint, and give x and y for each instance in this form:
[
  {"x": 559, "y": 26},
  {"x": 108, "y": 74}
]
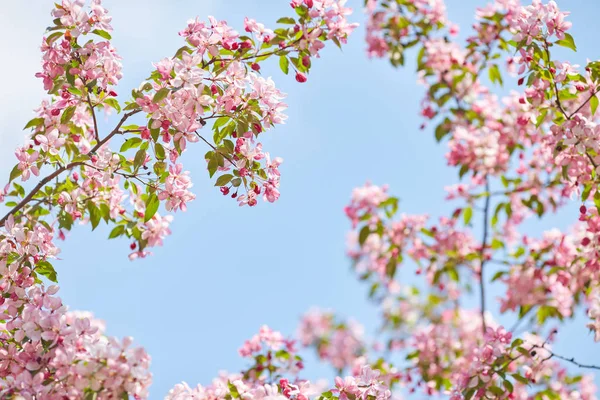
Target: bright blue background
[{"x": 225, "y": 270}]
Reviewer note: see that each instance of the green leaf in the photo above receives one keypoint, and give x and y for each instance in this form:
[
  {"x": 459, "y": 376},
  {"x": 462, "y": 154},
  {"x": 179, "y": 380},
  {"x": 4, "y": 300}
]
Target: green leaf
[
  {"x": 286, "y": 20},
  {"x": 567, "y": 42},
  {"x": 95, "y": 215},
  {"x": 390, "y": 268},
  {"x": 520, "y": 379},
  {"x": 497, "y": 244},
  {"x": 440, "y": 131},
  {"x": 111, "y": 101},
  {"x": 160, "y": 95},
  {"x": 131, "y": 143},
  {"x": 34, "y": 122},
  {"x": 223, "y": 180},
  {"x": 220, "y": 122},
  {"x": 496, "y": 390},
  {"x": 159, "y": 168},
  {"x": 139, "y": 158},
  {"x": 498, "y": 275},
  {"x": 151, "y": 207},
  {"x": 15, "y": 173},
  {"x": 284, "y": 64},
  {"x": 594, "y": 104},
  {"x": 467, "y": 215},
  {"x": 117, "y": 231},
  {"x": 102, "y": 34},
  {"x": 364, "y": 234},
  {"x": 495, "y": 75},
  {"x": 46, "y": 269},
  {"x": 587, "y": 188},
  {"x": 67, "y": 114},
  {"x": 213, "y": 165},
  {"x": 160, "y": 151}
]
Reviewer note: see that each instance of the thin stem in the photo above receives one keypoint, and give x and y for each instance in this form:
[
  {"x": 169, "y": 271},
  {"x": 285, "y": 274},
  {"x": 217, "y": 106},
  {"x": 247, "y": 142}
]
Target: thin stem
[
  {"x": 67, "y": 167},
  {"x": 36, "y": 189},
  {"x": 520, "y": 320},
  {"x": 215, "y": 149},
  {"x": 482, "y": 254},
  {"x": 570, "y": 360},
  {"x": 594, "y": 93},
  {"x": 96, "y": 132}
]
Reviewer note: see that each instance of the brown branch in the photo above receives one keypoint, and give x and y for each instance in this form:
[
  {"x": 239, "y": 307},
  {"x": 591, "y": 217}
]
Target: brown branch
[
  {"x": 36, "y": 189},
  {"x": 96, "y": 132},
  {"x": 570, "y": 360},
  {"x": 482, "y": 254},
  {"x": 215, "y": 149},
  {"x": 67, "y": 167},
  {"x": 594, "y": 93}
]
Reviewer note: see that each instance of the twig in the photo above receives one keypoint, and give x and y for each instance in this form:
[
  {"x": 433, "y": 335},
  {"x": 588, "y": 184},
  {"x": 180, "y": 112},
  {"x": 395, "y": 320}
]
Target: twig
[
  {"x": 482, "y": 254},
  {"x": 96, "y": 133},
  {"x": 215, "y": 149},
  {"x": 67, "y": 167}
]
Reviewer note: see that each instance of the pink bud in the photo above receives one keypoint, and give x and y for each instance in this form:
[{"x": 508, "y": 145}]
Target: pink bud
[
  {"x": 300, "y": 77},
  {"x": 255, "y": 67},
  {"x": 225, "y": 190}
]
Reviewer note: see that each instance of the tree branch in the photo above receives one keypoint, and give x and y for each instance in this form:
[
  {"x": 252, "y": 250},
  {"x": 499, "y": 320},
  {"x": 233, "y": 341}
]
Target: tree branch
[
  {"x": 570, "y": 360},
  {"x": 67, "y": 167},
  {"x": 96, "y": 133},
  {"x": 215, "y": 149},
  {"x": 482, "y": 254}
]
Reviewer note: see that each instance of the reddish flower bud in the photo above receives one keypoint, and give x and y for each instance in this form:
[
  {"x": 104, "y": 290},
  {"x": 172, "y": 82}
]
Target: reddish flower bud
[
  {"x": 165, "y": 124},
  {"x": 583, "y": 209},
  {"x": 585, "y": 241},
  {"x": 255, "y": 67},
  {"x": 257, "y": 127},
  {"x": 520, "y": 81},
  {"x": 306, "y": 61},
  {"x": 132, "y": 246},
  {"x": 55, "y": 112},
  {"x": 257, "y": 189},
  {"x": 309, "y": 3},
  {"x": 112, "y": 93},
  {"x": 300, "y": 77},
  {"x": 224, "y": 190}
]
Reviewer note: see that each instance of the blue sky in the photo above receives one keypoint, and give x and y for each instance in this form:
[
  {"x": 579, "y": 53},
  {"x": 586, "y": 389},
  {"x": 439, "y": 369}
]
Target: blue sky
[{"x": 225, "y": 270}]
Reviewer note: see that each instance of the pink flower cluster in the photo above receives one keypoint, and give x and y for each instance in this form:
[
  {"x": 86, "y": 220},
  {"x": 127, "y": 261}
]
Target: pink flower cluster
[
  {"x": 45, "y": 350},
  {"x": 540, "y": 19},
  {"x": 340, "y": 344}
]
